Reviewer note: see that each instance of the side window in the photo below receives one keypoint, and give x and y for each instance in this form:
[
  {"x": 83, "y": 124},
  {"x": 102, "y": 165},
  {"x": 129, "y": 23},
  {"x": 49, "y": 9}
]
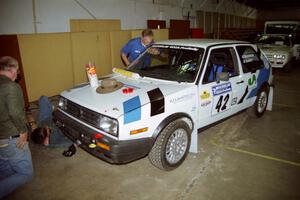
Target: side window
[
  {"x": 221, "y": 60},
  {"x": 249, "y": 59}
]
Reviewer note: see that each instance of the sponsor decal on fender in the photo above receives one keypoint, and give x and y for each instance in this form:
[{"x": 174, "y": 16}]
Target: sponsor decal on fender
[
  {"x": 234, "y": 101},
  {"x": 205, "y": 95},
  {"x": 205, "y": 103},
  {"x": 252, "y": 80},
  {"x": 182, "y": 98}
]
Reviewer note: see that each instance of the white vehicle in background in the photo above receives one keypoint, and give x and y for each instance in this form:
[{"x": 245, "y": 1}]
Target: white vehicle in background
[
  {"x": 279, "y": 43},
  {"x": 156, "y": 106},
  {"x": 278, "y": 49}
]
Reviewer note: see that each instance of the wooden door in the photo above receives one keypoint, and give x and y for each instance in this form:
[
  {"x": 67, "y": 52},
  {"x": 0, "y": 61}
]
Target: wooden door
[
  {"x": 9, "y": 46},
  {"x": 179, "y": 29}
]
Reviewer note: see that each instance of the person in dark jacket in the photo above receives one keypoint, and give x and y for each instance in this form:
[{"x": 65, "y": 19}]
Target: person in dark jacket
[{"x": 15, "y": 157}]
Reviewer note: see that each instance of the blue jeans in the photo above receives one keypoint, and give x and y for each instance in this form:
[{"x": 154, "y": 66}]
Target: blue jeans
[
  {"x": 45, "y": 112},
  {"x": 15, "y": 166},
  {"x": 57, "y": 138}
]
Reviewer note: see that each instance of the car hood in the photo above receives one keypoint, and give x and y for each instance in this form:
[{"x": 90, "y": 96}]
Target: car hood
[
  {"x": 275, "y": 49},
  {"x": 111, "y": 104}
]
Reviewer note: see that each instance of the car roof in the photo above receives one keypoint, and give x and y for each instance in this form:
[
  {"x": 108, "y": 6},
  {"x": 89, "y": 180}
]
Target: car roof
[{"x": 204, "y": 43}]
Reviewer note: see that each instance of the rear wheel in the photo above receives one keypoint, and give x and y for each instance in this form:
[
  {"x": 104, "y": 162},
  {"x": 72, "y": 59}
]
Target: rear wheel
[
  {"x": 261, "y": 102},
  {"x": 171, "y": 146}
]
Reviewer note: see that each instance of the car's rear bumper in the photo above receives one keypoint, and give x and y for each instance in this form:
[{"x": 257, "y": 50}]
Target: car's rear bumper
[{"x": 120, "y": 151}]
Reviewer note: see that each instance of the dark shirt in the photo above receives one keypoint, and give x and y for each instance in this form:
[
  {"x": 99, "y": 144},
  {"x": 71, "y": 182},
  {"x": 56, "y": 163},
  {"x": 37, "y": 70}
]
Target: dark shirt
[{"x": 12, "y": 111}]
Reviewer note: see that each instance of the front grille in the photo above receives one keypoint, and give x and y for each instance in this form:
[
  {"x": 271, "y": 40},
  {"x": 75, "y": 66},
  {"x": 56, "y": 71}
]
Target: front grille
[
  {"x": 73, "y": 109},
  {"x": 86, "y": 115},
  {"x": 269, "y": 56}
]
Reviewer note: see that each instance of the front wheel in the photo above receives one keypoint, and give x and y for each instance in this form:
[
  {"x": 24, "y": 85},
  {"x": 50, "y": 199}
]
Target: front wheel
[
  {"x": 171, "y": 146},
  {"x": 261, "y": 102}
]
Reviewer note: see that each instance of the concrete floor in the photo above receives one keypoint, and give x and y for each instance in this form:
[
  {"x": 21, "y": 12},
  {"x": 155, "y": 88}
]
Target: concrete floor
[{"x": 241, "y": 158}]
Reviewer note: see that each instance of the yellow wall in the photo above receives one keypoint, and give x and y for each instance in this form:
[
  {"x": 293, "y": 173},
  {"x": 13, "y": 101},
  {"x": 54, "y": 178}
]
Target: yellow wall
[
  {"x": 104, "y": 67},
  {"x": 56, "y": 61},
  {"x": 88, "y": 25},
  {"x": 47, "y": 63},
  {"x": 159, "y": 34},
  {"x": 84, "y": 50},
  {"x": 90, "y": 47},
  {"x": 117, "y": 40}
]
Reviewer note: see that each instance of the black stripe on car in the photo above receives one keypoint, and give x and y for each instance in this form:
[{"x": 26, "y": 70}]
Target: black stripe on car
[
  {"x": 157, "y": 101},
  {"x": 244, "y": 95}
]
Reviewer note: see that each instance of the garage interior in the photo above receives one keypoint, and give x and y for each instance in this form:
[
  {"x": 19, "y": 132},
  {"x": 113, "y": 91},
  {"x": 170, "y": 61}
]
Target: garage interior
[{"x": 239, "y": 158}]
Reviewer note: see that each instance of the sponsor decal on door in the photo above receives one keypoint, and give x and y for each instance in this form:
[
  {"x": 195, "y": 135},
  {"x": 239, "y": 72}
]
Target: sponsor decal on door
[{"x": 221, "y": 98}]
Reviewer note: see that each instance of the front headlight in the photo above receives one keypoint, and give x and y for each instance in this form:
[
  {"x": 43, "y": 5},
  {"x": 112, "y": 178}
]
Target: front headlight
[
  {"x": 62, "y": 103},
  {"x": 108, "y": 125},
  {"x": 279, "y": 56}
]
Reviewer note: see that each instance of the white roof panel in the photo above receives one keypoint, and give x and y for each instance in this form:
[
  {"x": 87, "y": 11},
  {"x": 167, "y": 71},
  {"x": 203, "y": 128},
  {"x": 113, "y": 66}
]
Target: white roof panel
[{"x": 204, "y": 43}]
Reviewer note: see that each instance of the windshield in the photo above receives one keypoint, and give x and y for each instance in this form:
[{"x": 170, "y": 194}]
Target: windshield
[
  {"x": 174, "y": 63},
  {"x": 274, "y": 40},
  {"x": 280, "y": 28}
]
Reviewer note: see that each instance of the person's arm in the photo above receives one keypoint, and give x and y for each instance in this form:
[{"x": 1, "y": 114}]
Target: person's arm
[
  {"x": 125, "y": 59},
  {"x": 124, "y": 53},
  {"x": 16, "y": 111},
  {"x": 47, "y": 139}
]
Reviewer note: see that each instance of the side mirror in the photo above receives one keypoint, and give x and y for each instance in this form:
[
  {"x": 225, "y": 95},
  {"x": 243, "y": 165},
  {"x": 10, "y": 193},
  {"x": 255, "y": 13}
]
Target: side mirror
[{"x": 223, "y": 76}]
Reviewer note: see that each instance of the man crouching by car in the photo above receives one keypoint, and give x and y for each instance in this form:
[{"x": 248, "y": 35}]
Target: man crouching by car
[{"x": 15, "y": 157}]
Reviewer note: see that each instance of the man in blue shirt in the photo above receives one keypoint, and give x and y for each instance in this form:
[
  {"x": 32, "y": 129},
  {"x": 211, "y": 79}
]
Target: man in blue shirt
[{"x": 136, "y": 46}]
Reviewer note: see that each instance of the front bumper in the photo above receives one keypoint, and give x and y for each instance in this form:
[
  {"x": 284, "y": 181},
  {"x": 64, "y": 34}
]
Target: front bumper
[
  {"x": 120, "y": 151},
  {"x": 276, "y": 65}
]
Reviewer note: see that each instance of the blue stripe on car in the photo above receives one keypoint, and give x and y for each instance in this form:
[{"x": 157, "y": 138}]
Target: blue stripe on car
[{"x": 132, "y": 110}]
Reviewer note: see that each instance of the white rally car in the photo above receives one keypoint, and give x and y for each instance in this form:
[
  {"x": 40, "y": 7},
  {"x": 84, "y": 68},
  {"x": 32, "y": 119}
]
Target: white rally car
[{"x": 156, "y": 105}]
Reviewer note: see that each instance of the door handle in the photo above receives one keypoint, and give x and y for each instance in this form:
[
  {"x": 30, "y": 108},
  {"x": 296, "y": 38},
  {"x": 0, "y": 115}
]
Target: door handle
[{"x": 239, "y": 82}]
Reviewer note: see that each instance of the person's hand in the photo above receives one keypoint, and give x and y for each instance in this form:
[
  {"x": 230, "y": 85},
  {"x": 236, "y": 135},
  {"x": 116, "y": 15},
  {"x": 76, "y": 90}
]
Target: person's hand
[
  {"x": 22, "y": 141},
  {"x": 153, "y": 51}
]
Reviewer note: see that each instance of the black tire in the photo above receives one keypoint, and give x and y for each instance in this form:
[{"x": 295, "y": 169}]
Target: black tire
[
  {"x": 255, "y": 110},
  {"x": 157, "y": 155}
]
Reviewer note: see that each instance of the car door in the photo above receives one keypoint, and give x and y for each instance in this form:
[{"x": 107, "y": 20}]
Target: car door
[
  {"x": 251, "y": 64},
  {"x": 220, "y": 99}
]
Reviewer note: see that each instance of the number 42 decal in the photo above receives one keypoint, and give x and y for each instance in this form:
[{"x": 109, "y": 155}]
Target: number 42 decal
[{"x": 222, "y": 103}]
